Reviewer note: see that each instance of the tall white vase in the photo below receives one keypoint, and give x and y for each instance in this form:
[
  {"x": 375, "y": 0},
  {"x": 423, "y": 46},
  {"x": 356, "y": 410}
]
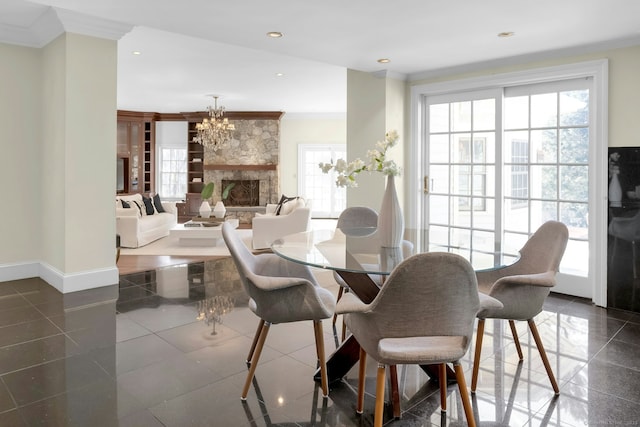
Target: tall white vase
[
  {"x": 390, "y": 219},
  {"x": 219, "y": 210},
  {"x": 615, "y": 192},
  {"x": 205, "y": 209}
]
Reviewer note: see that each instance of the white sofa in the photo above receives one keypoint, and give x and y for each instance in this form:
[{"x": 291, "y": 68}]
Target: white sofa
[
  {"x": 295, "y": 216},
  {"x": 137, "y": 228}
]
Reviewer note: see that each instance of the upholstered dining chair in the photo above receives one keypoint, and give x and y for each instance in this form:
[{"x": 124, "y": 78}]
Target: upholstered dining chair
[
  {"x": 424, "y": 314},
  {"x": 522, "y": 288},
  {"x": 356, "y": 217},
  {"x": 280, "y": 291}
]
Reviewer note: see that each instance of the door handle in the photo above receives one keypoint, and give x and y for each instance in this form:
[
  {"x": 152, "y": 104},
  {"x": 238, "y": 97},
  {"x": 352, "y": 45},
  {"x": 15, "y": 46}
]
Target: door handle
[{"x": 425, "y": 185}]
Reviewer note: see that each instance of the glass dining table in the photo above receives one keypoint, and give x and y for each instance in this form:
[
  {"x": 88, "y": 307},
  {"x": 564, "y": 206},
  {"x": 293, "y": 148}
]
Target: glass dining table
[{"x": 356, "y": 255}]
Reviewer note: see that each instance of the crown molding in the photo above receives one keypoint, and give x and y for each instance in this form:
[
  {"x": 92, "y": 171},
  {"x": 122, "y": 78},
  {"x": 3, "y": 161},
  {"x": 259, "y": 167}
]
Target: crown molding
[{"x": 55, "y": 21}]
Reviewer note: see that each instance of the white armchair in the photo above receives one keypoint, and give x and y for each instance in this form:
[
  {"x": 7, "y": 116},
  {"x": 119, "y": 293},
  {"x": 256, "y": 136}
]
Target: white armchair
[{"x": 269, "y": 226}]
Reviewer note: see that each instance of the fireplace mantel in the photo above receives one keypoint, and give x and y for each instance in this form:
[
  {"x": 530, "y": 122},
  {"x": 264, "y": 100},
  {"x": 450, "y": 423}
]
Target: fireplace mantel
[{"x": 226, "y": 167}]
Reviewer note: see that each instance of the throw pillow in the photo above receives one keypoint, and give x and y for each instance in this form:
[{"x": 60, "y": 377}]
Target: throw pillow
[
  {"x": 148, "y": 205},
  {"x": 158, "y": 203},
  {"x": 141, "y": 208},
  {"x": 292, "y": 205},
  {"x": 125, "y": 204},
  {"x": 283, "y": 200}
]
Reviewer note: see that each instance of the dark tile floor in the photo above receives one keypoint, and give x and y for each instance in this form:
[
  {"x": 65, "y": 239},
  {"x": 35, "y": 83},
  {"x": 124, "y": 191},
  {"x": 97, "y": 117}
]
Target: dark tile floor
[{"x": 136, "y": 355}]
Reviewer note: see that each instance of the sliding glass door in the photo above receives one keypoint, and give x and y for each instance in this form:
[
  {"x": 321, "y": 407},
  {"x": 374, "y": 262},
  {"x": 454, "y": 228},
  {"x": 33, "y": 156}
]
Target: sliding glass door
[{"x": 499, "y": 163}]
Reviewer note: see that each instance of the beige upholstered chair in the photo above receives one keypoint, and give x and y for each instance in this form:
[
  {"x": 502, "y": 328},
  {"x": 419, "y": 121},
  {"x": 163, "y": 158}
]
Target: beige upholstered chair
[
  {"x": 424, "y": 314},
  {"x": 522, "y": 288},
  {"x": 280, "y": 291},
  {"x": 355, "y": 217}
]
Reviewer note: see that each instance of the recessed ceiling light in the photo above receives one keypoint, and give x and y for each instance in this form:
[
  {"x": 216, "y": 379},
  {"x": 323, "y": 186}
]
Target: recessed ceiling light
[
  {"x": 136, "y": 52},
  {"x": 506, "y": 34},
  {"x": 274, "y": 34},
  {"x": 279, "y": 74},
  {"x": 384, "y": 60}
]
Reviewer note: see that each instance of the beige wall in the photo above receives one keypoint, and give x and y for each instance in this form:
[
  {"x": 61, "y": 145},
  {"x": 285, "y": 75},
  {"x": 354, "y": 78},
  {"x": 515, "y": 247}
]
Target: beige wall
[
  {"x": 59, "y": 171},
  {"x": 20, "y": 133},
  {"x": 624, "y": 88},
  {"x": 304, "y": 129}
]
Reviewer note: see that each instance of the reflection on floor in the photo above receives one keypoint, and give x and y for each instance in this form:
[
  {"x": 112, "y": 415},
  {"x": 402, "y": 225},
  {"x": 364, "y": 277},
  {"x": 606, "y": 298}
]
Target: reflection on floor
[{"x": 136, "y": 355}]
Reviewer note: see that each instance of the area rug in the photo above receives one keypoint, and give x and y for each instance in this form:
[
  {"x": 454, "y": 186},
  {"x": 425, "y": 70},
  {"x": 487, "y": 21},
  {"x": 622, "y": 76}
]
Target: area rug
[{"x": 169, "y": 246}]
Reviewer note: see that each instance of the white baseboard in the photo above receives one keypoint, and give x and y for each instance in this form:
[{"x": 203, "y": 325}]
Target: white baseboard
[
  {"x": 23, "y": 270},
  {"x": 64, "y": 283}
]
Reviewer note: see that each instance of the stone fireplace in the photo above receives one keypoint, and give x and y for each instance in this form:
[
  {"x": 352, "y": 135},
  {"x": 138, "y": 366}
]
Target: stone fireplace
[{"x": 250, "y": 160}]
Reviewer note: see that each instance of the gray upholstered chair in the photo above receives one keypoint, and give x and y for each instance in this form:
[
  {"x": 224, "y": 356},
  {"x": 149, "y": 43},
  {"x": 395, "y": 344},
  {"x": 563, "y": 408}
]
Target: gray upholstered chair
[
  {"x": 280, "y": 291},
  {"x": 424, "y": 314},
  {"x": 522, "y": 288},
  {"x": 355, "y": 217}
]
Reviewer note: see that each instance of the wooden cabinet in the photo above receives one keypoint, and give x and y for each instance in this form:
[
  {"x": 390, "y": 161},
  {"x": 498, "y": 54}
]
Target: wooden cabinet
[
  {"x": 195, "y": 165},
  {"x": 136, "y": 152}
]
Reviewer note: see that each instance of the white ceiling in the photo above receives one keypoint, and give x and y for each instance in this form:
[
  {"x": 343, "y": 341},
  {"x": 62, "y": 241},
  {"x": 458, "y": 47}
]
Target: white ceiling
[{"x": 194, "y": 48}]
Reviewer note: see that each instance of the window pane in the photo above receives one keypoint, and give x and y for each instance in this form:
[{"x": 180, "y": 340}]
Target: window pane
[
  {"x": 544, "y": 146},
  {"x": 439, "y": 148},
  {"x": 461, "y": 148},
  {"x": 574, "y": 214},
  {"x": 574, "y": 183},
  {"x": 544, "y": 182},
  {"x": 461, "y": 116},
  {"x": 516, "y": 112},
  {"x": 439, "y": 118},
  {"x": 574, "y": 145},
  {"x": 483, "y": 241},
  {"x": 439, "y": 236},
  {"x": 544, "y": 110},
  {"x": 439, "y": 209},
  {"x": 516, "y": 215},
  {"x": 542, "y": 212},
  {"x": 574, "y": 108},
  {"x": 484, "y": 114},
  {"x": 439, "y": 179}
]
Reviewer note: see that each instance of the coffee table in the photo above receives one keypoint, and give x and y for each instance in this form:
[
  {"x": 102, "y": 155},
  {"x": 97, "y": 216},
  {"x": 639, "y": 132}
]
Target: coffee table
[{"x": 199, "y": 236}]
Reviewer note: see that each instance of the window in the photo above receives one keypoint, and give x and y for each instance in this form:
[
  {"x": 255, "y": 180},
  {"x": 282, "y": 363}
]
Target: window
[
  {"x": 544, "y": 146},
  {"x": 327, "y": 199},
  {"x": 172, "y": 176}
]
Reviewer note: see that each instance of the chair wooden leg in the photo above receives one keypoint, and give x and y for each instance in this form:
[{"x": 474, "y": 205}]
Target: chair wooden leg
[
  {"x": 340, "y": 291},
  {"x": 255, "y": 341},
  {"x": 256, "y": 356},
  {"x": 514, "y": 332},
  {"x": 344, "y": 329},
  {"x": 361, "y": 376},
  {"x": 464, "y": 394},
  {"x": 317, "y": 327},
  {"x": 476, "y": 358},
  {"x": 379, "y": 412},
  {"x": 442, "y": 379},
  {"x": 543, "y": 355}
]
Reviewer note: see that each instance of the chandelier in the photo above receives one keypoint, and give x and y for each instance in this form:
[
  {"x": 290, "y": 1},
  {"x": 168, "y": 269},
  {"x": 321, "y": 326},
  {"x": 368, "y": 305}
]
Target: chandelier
[{"x": 215, "y": 131}]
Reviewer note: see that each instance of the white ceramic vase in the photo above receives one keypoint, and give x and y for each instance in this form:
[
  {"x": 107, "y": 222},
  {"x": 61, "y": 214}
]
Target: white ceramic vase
[
  {"x": 615, "y": 192},
  {"x": 390, "y": 219},
  {"x": 205, "y": 209},
  {"x": 219, "y": 210}
]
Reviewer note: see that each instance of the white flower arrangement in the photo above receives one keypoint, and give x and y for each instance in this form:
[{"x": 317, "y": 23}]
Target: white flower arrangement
[{"x": 378, "y": 162}]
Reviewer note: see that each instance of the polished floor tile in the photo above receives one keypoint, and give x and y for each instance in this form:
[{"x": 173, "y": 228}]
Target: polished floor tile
[{"x": 140, "y": 354}]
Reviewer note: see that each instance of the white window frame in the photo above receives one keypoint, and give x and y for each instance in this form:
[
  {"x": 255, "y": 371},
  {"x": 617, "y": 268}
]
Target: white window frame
[{"x": 598, "y": 70}]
